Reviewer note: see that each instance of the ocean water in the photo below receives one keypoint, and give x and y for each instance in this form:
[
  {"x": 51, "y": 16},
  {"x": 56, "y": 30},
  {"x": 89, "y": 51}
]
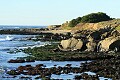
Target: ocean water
[
  {"x": 13, "y": 42},
  {"x": 19, "y": 27}
]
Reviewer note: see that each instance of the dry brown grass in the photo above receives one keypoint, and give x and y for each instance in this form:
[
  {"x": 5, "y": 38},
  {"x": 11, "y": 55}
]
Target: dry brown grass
[{"x": 96, "y": 26}]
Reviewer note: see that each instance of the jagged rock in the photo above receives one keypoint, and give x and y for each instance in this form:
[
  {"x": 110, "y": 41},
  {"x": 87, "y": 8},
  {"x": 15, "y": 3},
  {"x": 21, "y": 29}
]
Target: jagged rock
[
  {"x": 115, "y": 33},
  {"x": 105, "y": 35},
  {"x": 94, "y": 36},
  {"x": 110, "y": 33},
  {"x": 91, "y": 46},
  {"x": 110, "y": 43},
  {"x": 71, "y": 44}
]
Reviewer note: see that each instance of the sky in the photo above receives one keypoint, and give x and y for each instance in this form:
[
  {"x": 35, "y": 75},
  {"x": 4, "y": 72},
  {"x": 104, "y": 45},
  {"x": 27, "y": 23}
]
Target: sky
[{"x": 52, "y": 12}]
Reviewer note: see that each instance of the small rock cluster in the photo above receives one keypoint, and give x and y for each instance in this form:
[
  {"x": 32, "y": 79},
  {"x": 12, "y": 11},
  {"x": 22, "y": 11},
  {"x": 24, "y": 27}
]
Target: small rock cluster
[
  {"x": 108, "y": 68},
  {"x": 45, "y": 72},
  {"x": 20, "y": 60}
]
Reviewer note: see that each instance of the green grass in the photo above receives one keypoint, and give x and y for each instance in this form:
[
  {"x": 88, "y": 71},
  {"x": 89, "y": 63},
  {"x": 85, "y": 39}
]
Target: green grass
[
  {"x": 46, "y": 53},
  {"x": 117, "y": 28}
]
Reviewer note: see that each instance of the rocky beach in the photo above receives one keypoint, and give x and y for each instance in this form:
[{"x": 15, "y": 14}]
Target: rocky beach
[{"x": 88, "y": 51}]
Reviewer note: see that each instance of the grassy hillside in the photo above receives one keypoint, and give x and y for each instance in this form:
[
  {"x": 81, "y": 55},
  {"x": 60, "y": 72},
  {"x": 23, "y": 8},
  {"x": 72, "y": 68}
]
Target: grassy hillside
[
  {"x": 115, "y": 23},
  {"x": 91, "y": 21}
]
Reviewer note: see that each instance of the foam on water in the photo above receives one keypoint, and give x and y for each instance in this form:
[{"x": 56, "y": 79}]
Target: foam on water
[
  {"x": 4, "y": 27},
  {"x": 7, "y": 38}
]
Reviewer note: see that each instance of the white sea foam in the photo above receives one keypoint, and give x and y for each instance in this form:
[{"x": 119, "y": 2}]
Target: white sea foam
[{"x": 7, "y": 38}]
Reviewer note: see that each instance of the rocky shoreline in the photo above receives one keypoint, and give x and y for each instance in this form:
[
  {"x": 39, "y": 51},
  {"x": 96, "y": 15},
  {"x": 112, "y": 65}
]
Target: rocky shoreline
[
  {"x": 109, "y": 68},
  {"x": 103, "y": 64},
  {"x": 33, "y": 31},
  {"x": 101, "y": 46}
]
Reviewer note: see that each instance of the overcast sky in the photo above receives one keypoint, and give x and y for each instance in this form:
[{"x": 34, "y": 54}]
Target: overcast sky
[{"x": 48, "y": 12}]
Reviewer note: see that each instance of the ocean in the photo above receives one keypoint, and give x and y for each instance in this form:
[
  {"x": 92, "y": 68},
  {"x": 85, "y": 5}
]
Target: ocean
[{"x": 19, "y": 27}]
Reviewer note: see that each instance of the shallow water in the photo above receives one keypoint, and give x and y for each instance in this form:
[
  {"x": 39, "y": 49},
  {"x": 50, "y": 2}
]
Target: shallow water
[
  {"x": 12, "y": 42},
  {"x": 3, "y": 27}
]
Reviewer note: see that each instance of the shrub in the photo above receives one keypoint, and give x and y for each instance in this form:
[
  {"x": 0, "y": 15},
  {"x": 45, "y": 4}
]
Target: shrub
[
  {"x": 95, "y": 17},
  {"x": 74, "y": 22},
  {"x": 90, "y": 18}
]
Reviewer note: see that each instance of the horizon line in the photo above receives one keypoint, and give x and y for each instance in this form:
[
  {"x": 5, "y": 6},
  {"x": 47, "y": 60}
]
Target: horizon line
[{"x": 20, "y": 25}]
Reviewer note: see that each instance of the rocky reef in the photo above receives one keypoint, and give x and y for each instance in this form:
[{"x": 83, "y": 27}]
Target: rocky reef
[
  {"x": 101, "y": 46},
  {"x": 109, "y": 68}
]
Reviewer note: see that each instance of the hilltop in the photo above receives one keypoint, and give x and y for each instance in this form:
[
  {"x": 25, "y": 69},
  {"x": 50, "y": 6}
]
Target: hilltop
[
  {"x": 93, "y": 21},
  {"x": 115, "y": 23}
]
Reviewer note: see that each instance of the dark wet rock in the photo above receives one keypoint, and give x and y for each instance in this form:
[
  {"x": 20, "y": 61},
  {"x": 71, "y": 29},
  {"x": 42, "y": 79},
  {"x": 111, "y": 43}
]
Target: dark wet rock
[
  {"x": 9, "y": 76},
  {"x": 68, "y": 65},
  {"x": 85, "y": 76},
  {"x": 39, "y": 65},
  {"x": 56, "y": 50},
  {"x": 55, "y": 65},
  {"x": 21, "y": 68},
  {"x": 53, "y": 37},
  {"x": 94, "y": 36},
  {"x": 21, "y": 60},
  {"x": 13, "y": 72},
  {"x": 16, "y": 61},
  {"x": 107, "y": 67},
  {"x": 103, "y": 67},
  {"x": 25, "y": 77},
  {"x": 37, "y": 77},
  {"x": 77, "y": 77},
  {"x": 29, "y": 60}
]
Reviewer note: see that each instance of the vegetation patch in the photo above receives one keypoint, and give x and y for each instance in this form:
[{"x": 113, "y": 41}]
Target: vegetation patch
[
  {"x": 95, "y": 17},
  {"x": 117, "y": 28},
  {"x": 89, "y": 18},
  {"x": 50, "y": 52}
]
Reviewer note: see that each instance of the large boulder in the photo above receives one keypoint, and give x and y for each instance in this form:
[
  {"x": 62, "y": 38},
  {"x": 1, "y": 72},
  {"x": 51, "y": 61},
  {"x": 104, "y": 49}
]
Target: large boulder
[
  {"x": 91, "y": 46},
  {"x": 110, "y": 43},
  {"x": 70, "y": 44}
]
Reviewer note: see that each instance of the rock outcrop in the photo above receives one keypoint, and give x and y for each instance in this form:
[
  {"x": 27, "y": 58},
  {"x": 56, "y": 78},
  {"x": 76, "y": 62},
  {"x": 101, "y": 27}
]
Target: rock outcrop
[
  {"x": 97, "y": 37},
  {"x": 110, "y": 43},
  {"x": 94, "y": 35},
  {"x": 71, "y": 44},
  {"x": 98, "y": 41},
  {"x": 91, "y": 46}
]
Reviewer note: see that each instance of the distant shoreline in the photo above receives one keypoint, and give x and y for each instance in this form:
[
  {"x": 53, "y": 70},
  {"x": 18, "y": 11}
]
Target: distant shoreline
[{"x": 32, "y": 31}]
